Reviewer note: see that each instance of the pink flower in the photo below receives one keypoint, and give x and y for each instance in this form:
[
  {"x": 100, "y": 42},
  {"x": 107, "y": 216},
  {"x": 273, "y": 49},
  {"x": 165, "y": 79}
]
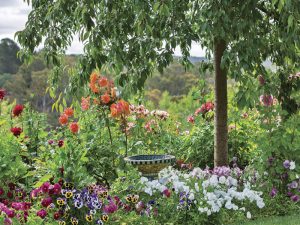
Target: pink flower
[
  {"x": 266, "y": 100},
  {"x": 295, "y": 198},
  {"x": 46, "y": 202},
  {"x": 10, "y": 213},
  {"x": 191, "y": 119},
  {"x": 7, "y": 221},
  {"x": 206, "y": 107},
  {"x": 110, "y": 208},
  {"x": 167, "y": 193},
  {"x": 85, "y": 103},
  {"x": 45, "y": 187},
  {"x": 35, "y": 193},
  {"x": 42, "y": 213},
  {"x": 57, "y": 188},
  {"x": 273, "y": 192}
]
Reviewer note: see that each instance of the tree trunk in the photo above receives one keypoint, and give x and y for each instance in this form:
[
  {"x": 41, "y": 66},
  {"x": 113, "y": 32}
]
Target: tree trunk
[{"x": 221, "y": 130}]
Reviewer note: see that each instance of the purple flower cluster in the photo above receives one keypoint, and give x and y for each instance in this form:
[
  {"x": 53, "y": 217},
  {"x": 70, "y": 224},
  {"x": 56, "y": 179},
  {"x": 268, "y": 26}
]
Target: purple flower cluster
[
  {"x": 221, "y": 171},
  {"x": 184, "y": 201}
]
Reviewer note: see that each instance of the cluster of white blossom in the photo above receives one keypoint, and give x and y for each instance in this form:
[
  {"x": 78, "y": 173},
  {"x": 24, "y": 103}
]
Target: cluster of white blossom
[
  {"x": 160, "y": 114},
  {"x": 210, "y": 191}
]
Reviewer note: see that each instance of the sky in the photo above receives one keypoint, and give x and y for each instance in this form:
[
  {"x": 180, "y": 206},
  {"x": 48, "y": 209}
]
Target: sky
[{"x": 13, "y": 16}]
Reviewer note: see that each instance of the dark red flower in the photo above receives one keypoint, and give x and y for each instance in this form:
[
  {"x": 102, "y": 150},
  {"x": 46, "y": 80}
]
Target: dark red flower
[
  {"x": 5, "y": 201},
  {"x": 167, "y": 193},
  {"x": 16, "y": 131},
  {"x": 11, "y": 186},
  {"x": 17, "y": 110},
  {"x": 2, "y": 93},
  {"x": 27, "y": 205},
  {"x": 46, "y": 202},
  {"x": 56, "y": 215},
  {"x": 1, "y": 191},
  {"x": 10, "y": 194},
  {"x": 10, "y": 213},
  {"x": 60, "y": 143}
]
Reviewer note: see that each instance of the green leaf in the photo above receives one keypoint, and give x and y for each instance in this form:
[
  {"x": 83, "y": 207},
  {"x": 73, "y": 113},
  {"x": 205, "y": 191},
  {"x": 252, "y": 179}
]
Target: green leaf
[{"x": 43, "y": 180}]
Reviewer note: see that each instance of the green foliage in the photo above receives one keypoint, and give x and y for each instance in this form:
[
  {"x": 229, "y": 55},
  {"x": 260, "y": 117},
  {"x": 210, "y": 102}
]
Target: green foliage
[
  {"x": 142, "y": 36},
  {"x": 11, "y": 160},
  {"x": 198, "y": 145},
  {"x": 12, "y": 166},
  {"x": 9, "y": 62}
]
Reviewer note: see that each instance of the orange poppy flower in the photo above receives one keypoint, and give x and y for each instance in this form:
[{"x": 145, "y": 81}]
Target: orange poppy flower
[
  {"x": 114, "y": 110},
  {"x": 125, "y": 107},
  {"x": 120, "y": 108},
  {"x": 69, "y": 112},
  {"x": 103, "y": 82},
  {"x": 93, "y": 82},
  {"x": 105, "y": 98}
]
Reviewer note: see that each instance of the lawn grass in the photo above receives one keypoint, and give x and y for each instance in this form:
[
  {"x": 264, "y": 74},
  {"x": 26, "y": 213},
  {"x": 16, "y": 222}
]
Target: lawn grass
[{"x": 275, "y": 220}]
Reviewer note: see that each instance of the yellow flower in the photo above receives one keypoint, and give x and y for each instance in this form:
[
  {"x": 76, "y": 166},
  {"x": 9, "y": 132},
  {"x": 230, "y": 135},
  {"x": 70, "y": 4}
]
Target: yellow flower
[
  {"x": 104, "y": 217},
  {"x": 89, "y": 217}
]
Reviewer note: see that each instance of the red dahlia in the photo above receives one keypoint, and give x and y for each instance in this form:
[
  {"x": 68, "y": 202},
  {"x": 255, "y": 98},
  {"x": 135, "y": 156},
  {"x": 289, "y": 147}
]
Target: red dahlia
[
  {"x": 74, "y": 127},
  {"x": 16, "y": 131},
  {"x": 17, "y": 110},
  {"x": 2, "y": 93}
]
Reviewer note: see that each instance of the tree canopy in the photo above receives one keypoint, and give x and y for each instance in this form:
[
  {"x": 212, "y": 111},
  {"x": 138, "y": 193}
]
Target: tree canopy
[
  {"x": 142, "y": 35},
  {"x": 9, "y": 62}
]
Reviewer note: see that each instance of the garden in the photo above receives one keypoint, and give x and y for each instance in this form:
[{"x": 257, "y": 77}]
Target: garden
[{"x": 226, "y": 151}]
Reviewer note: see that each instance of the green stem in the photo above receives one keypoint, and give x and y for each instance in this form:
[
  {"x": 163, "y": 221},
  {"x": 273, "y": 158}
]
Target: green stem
[
  {"x": 109, "y": 132},
  {"x": 126, "y": 143}
]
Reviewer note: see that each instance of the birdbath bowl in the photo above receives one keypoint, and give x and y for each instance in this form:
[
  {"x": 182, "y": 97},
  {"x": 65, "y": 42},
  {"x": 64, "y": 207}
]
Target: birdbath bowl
[{"x": 150, "y": 165}]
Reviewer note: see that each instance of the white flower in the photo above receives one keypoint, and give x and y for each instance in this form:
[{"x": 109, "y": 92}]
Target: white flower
[
  {"x": 148, "y": 191},
  {"x": 248, "y": 215},
  {"x": 144, "y": 179},
  {"x": 228, "y": 205},
  {"x": 191, "y": 196},
  {"x": 222, "y": 180},
  {"x": 208, "y": 212},
  {"x": 260, "y": 204},
  {"x": 213, "y": 180},
  {"x": 197, "y": 187},
  {"x": 292, "y": 165}
]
